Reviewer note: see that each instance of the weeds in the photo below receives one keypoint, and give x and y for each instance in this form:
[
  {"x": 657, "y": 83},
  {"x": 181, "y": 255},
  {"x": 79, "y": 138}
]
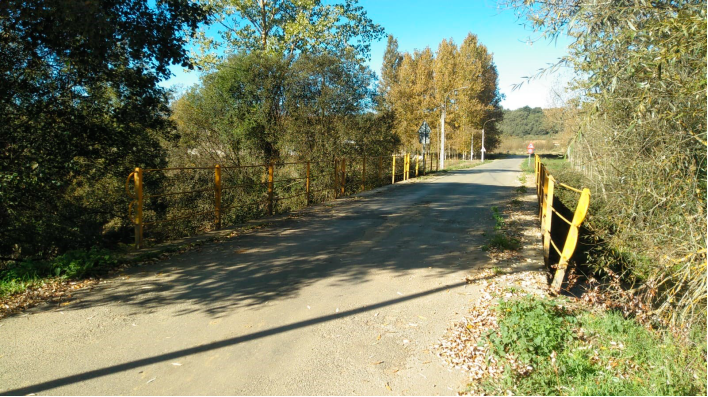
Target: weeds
[
  {"x": 74, "y": 264},
  {"x": 578, "y": 352}
]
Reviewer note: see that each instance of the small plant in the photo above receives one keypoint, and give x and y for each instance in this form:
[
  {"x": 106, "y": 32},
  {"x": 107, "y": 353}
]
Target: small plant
[
  {"x": 498, "y": 218},
  {"x": 531, "y": 329},
  {"x": 503, "y": 242}
]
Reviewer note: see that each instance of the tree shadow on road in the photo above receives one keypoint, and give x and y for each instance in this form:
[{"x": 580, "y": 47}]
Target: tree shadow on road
[{"x": 429, "y": 224}]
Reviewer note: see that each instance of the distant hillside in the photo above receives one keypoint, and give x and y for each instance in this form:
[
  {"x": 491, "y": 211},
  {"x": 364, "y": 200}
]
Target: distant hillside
[{"x": 526, "y": 121}]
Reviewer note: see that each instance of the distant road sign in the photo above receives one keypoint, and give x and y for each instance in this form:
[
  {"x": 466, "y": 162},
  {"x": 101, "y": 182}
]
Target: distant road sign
[
  {"x": 424, "y": 133},
  {"x": 530, "y": 146},
  {"x": 530, "y": 151}
]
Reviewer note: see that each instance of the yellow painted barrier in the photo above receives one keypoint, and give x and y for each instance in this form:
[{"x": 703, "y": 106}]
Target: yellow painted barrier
[{"x": 545, "y": 187}]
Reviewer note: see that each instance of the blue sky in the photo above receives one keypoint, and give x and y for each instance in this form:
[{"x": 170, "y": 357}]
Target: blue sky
[{"x": 420, "y": 23}]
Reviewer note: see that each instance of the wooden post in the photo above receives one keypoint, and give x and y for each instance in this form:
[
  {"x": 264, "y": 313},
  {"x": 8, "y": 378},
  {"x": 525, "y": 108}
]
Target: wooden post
[
  {"x": 138, "y": 178},
  {"x": 271, "y": 167},
  {"x": 307, "y": 184},
  {"x": 217, "y": 197},
  {"x": 363, "y": 173},
  {"x": 572, "y": 240},
  {"x": 344, "y": 176},
  {"x": 393, "y": 171}
]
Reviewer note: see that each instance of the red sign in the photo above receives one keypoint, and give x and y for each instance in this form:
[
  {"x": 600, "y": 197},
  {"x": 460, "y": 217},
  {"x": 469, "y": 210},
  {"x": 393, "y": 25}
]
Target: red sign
[
  {"x": 530, "y": 146},
  {"x": 530, "y": 151}
]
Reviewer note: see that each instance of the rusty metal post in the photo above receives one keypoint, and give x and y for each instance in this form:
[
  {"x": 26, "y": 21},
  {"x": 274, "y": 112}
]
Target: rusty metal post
[
  {"x": 393, "y": 171},
  {"x": 379, "y": 169},
  {"x": 307, "y": 184},
  {"x": 217, "y": 197},
  {"x": 343, "y": 186},
  {"x": 271, "y": 169},
  {"x": 138, "y": 178},
  {"x": 336, "y": 178},
  {"x": 363, "y": 173}
]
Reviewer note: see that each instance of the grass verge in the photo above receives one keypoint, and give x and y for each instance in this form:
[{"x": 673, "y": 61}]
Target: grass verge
[{"x": 551, "y": 347}]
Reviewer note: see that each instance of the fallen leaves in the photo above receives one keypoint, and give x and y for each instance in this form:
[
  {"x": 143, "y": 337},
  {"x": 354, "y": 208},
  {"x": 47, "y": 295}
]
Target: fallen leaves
[{"x": 464, "y": 346}]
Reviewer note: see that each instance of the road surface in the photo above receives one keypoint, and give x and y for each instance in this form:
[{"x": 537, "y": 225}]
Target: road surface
[{"x": 346, "y": 298}]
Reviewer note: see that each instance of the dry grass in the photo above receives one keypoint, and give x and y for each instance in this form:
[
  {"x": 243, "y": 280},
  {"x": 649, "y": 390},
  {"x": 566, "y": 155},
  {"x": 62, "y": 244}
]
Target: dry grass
[{"x": 543, "y": 144}]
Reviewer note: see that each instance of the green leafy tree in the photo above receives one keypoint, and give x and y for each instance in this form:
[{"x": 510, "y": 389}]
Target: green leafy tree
[
  {"x": 286, "y": 27},
  {"x": 642, "y": 141},
  {"x": 79, "y": 107}
]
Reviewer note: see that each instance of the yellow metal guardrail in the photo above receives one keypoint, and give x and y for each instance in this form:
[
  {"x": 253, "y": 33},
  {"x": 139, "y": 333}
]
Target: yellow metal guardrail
[
  {"x": 545, "y": 186},
  {"x": 344, "y": 180}
]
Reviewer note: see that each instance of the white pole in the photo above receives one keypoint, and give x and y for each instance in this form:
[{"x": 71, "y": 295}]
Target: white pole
[
  {"x": 442, "y": 139},
  {"x": 482, "y": 143},
  {"x": 472, "y": 147}
]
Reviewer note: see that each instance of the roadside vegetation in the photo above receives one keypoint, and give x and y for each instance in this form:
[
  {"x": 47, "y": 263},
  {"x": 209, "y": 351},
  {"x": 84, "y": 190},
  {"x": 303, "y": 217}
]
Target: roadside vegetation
[
  {"x": 552, "y": 346},
  {"x": 638, "y": 141}
]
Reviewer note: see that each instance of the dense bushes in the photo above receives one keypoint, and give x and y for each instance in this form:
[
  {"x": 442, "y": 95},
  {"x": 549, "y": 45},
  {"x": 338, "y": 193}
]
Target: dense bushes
[{"x": 641, "y": 140}]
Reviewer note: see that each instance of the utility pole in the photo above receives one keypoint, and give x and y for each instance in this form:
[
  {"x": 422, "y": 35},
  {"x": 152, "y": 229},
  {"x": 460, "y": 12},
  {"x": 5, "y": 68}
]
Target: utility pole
[{"x": 483, "y": 149}]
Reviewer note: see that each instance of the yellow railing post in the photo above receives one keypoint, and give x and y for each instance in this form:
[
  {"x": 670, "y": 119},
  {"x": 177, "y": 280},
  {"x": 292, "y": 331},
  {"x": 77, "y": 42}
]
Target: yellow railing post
[
  {"x": 138, "y": 178},
  {"x": 547, "y": 217},
  {"x": 307, "y": 184},
  {"x": 343, "y": 186},
  {"x": 271, "y": 171},
  {"x": 363, "y": 173},
  {"x": 416, "y": 165},
  {"x": 408, "y": 166},
  {"x": 217, "y": 197},
  {"x": 393, "y": 170},
  {"x": 572, "y": 240}
]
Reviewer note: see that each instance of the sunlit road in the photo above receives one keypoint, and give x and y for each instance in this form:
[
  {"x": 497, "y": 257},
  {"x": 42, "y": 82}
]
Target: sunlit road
[{"x": 346, "y": 298}]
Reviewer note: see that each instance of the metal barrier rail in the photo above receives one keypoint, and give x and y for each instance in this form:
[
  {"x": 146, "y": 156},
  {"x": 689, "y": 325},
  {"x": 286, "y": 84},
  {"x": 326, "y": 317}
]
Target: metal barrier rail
[
  {"x": 545, "y": 186},
  {"x": 340, "y": 182}
]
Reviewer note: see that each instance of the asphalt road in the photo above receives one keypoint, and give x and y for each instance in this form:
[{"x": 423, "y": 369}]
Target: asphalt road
[{"x": 346, "y": 298}]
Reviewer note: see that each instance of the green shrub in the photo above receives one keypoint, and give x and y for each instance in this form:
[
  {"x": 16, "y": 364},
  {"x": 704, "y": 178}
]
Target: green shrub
[{"x": 75, "y": 264}]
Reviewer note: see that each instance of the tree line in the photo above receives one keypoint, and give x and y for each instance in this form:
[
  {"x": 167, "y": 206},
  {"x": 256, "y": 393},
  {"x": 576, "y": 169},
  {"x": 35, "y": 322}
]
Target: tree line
[
  {"x": 80, "y": 105},
  {"x": 462, "y": 80}
]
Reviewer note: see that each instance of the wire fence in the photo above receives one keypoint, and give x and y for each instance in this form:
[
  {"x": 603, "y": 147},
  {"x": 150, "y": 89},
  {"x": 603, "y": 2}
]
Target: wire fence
[{"x": 176, "y": 202}]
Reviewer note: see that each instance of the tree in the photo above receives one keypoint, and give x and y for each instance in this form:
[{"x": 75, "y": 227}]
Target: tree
[
  {"x": 389, "y": 69},
  {"x": 286, "y": 27},
  {"x": 642, "y": 140},
  {"x": 466, "y": 80},
  {"x": 79, "y": 107}
]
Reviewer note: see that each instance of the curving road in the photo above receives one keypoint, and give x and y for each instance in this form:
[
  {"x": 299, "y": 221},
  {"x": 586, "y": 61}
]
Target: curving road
[{"x": 345, "y": 298}]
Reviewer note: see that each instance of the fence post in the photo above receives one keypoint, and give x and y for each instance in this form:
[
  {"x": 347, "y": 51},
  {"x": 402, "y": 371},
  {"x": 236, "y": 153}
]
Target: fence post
[
  {"x": 393, "y": 170},
  {"x": 217, "y": 197},
  {"x": 416, "y": 165},
  {"x": 138, "y": 179},
  {"x": 547, "y": 217},
  {"x": 408, "y": 166},
  {"x": 363, "y": 173},
  {"x": 307, "y": 184},
  {"x": 343, "y": 186},
  {"x": 336, "y": 178},
  {"x": 572, "y": 240},
  {"x": 271, "y": 167}
]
